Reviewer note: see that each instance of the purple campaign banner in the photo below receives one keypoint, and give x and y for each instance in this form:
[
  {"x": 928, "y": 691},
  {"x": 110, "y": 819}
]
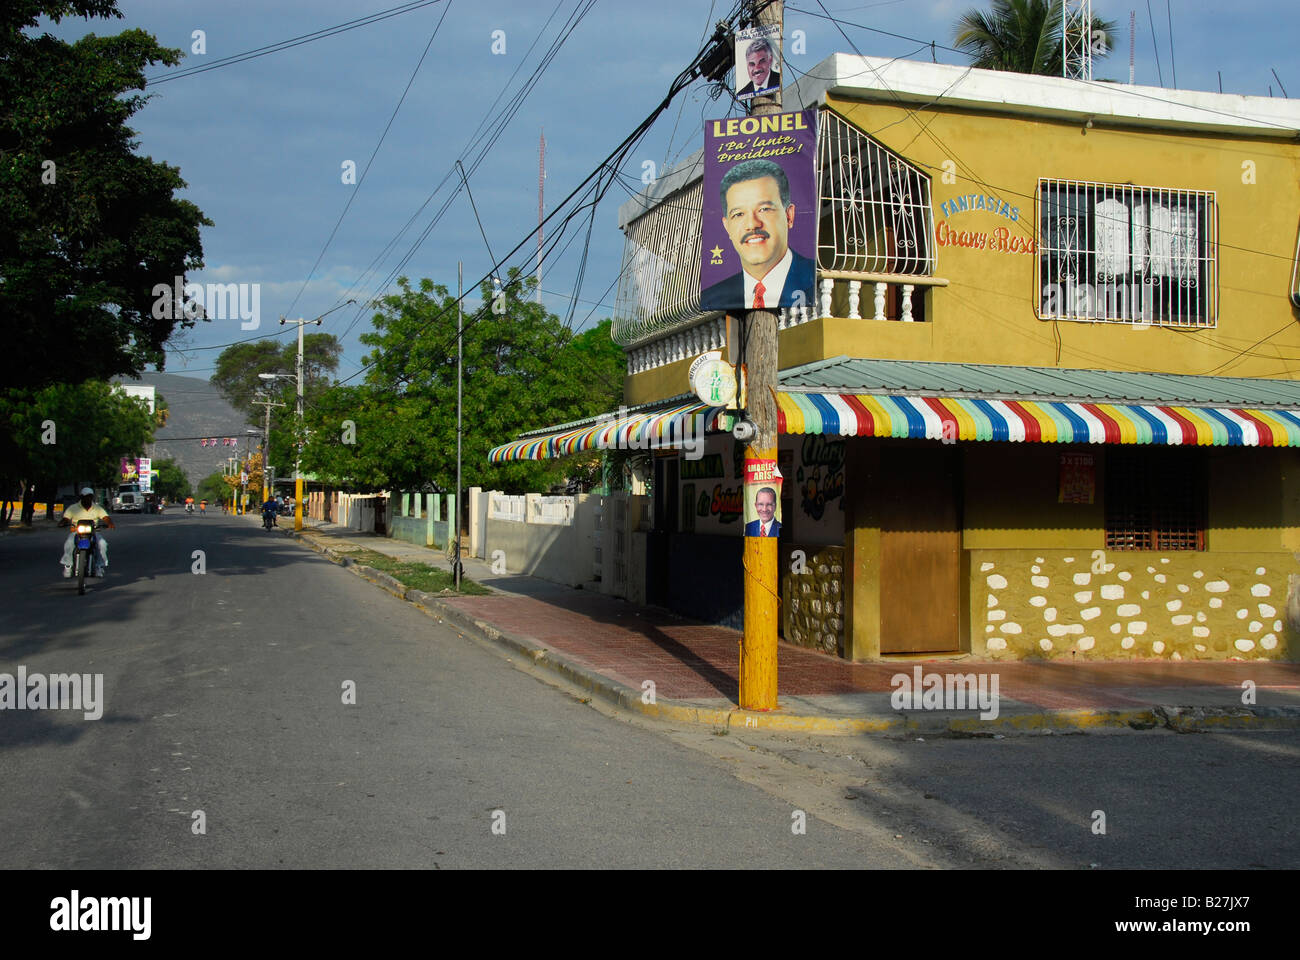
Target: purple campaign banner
[{"x": 759, "y": 233}]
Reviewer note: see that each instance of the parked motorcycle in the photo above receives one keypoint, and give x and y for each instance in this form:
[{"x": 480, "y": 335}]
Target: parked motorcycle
[{"x": 84, "y": 552}]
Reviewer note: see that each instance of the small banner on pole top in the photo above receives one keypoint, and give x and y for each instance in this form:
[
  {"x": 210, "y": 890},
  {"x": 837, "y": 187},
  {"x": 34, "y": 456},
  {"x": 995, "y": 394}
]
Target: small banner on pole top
[{"x": 758, "y": 55}]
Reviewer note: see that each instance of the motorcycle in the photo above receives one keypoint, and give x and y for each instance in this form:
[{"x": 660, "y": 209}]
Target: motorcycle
[
  {"x": 268, "y": 519},
  {"x": 84, "y": 563}
]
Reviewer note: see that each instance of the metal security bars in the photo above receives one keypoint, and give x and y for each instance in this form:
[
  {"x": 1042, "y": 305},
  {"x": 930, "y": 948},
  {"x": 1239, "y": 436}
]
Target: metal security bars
[
  {"x": 1155, "y": 500},
  {"x": 875, "y": 214},
  {"x": 1127, "y": 254},
  {"x": 659, "y": 287}
]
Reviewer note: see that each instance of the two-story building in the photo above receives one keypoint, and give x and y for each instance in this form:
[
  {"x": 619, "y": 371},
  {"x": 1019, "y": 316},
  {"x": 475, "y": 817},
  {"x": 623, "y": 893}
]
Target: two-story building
[{"x": 1043, "y": 405}]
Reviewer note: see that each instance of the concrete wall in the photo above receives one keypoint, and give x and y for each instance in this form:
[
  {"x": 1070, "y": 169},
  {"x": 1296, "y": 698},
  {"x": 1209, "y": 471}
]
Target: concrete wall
[{"x": 561, "y": 553}]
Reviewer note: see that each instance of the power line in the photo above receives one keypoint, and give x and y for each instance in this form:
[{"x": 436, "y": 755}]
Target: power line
[
  {"x": 287, "y": 44},
  {"x": 374, "y": 153}
]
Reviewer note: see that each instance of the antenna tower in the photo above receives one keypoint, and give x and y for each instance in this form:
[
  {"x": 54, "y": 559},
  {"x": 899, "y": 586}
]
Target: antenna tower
[{"x": 1076, "y": 33}]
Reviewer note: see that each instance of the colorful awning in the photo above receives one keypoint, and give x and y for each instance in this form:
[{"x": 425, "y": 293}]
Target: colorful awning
[
  {"x": 1026, "y": 421},
  {"x": 657, "y": 429}
]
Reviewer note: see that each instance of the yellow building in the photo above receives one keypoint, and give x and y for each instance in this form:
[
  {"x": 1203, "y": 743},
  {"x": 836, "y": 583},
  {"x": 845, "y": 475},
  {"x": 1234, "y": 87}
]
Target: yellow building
[{"x": 1042, "y": 406}]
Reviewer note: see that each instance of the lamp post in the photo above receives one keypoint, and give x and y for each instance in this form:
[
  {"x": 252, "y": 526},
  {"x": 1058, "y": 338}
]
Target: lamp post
[{"x": 297, "y": 464}]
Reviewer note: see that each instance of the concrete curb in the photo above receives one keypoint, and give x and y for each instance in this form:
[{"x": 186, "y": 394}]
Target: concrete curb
[{"x": 912, "y": 723}]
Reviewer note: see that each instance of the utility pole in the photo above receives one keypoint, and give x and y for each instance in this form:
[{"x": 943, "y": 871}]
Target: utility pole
[
  {"x": 758, "y": 645},
  {"x": 297, "y": 463},
  {"x": 266, "y": 445},
  {"x": 460, "y": 380}
]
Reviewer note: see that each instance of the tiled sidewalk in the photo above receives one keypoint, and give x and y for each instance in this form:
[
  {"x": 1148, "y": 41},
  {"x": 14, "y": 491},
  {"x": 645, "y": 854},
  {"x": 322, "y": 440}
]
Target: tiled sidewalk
[{"x": 698, "y": 663}]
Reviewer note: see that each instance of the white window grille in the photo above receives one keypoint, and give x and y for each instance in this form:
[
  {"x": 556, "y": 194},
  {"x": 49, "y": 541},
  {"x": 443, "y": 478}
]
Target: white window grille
[
  {"x": 1127, "y": 254},
  {"x": 875, "y": 206},
  {"x": 659, "y": 287}
]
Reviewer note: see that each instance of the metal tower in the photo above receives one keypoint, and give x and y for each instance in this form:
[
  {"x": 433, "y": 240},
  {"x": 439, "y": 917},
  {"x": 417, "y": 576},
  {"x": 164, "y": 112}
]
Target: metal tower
[{"x": 1076, "y": 31}]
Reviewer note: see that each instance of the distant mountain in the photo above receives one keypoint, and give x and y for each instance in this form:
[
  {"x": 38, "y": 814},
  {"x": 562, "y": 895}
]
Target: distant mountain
[{"x": 196, "y": 411}]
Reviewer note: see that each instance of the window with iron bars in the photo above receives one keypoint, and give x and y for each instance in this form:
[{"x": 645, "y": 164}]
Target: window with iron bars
[
  {"x": 1127, "y": 254},
  {"x": 1155, "y": 500}
]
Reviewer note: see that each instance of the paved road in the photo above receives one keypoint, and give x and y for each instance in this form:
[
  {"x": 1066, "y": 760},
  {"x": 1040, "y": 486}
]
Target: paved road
[{"x": 224, "y": 693}]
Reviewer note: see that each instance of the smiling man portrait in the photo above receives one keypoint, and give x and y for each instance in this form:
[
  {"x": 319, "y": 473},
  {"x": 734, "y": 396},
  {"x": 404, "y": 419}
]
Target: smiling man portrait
[{"x": 758, "y": 214}]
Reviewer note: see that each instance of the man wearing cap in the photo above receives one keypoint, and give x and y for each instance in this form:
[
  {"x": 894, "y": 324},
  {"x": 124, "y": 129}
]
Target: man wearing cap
[{"x": 85, "y": 509}]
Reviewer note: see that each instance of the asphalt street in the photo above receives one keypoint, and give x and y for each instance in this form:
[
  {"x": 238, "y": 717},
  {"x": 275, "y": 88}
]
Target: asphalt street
[{"x": 224, "y": 692}]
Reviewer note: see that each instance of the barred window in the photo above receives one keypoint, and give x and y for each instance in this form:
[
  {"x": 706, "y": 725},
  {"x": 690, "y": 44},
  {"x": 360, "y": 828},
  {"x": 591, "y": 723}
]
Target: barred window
[
  {"x": 1127, "y": 254},
  {"x": 1155, "y": 500}
]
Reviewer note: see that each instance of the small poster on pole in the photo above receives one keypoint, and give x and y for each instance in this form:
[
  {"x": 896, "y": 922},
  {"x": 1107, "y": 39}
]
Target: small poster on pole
[
  {"x": 762, "y": 498},
  {"x": 758, "y": 61}
]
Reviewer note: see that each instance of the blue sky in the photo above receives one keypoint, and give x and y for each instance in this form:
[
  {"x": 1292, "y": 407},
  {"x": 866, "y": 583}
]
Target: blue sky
[{"x": 262, "y": 143}]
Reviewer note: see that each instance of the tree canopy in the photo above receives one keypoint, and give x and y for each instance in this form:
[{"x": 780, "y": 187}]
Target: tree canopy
[
  {"x": 523, "y": 369},
  {"x": 90, "y": 226},
  {"x": 69, "y": 433},
  {"x": 1024, "y": 36},
  {"x": 237, "y": 380}
]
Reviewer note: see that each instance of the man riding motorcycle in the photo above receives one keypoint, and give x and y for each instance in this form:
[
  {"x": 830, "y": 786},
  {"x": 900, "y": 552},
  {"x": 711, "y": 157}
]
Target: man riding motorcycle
[
  {"x": 270, "y": 511},
  {"x": 85, "y": 509}
]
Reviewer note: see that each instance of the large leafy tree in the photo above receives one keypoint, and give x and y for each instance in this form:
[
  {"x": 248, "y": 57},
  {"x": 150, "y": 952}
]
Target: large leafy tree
[
  {"x": 89, "y": 226},
  {"x": 169, "y": 480},
  {"x": 67, "y": 433},
  {"x": 237, "y": 379},
  {"x": 523, "y": 369},
  {"x": 1024, "y": 36}
]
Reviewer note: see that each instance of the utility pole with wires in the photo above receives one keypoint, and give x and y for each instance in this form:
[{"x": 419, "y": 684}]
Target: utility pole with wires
[
  {"x": 266, "y": 445},
  {"x": 758, "y": 644},
  {"x": 541, "y": 207}
]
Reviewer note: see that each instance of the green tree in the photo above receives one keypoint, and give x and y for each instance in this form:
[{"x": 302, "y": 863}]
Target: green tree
[
  {"x": 1023, "y": 36},
  {"x": 523, "y": 369},
  {"x": 68, "y": 433},
  {"x": 90, "y": 226},
  {"x": 213, "y": 488},
  {"x": 170, "y": 481},
  {"x": 237, "y": 379}
]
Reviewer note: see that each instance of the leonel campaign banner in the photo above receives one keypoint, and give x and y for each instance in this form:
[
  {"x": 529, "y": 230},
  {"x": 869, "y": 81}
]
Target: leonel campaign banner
[{"x": 759, "y": 232}]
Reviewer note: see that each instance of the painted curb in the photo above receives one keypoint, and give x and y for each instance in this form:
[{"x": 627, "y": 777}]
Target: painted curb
[{"x": 912, "y": 723}]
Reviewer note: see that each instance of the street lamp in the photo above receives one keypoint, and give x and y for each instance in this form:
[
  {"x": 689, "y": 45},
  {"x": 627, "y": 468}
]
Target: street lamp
[{"x": 297, "y": 465}]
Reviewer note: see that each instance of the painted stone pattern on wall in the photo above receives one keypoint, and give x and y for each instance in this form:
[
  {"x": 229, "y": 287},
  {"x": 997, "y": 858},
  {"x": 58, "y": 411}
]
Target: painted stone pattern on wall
[
  {"x": 1116, "y": 606},
  {"x": 813, "y": 601}
]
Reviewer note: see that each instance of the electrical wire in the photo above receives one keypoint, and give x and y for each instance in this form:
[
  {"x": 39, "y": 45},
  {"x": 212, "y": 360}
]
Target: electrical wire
[{"x": 365, "y": 21}]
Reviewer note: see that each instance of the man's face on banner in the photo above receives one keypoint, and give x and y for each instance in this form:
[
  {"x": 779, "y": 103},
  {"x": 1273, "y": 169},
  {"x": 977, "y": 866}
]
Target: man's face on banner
[
  {"x": 759, "y": 65},
  {"x": 758, "y": 227},
  {"x": 765, "y": 505}
]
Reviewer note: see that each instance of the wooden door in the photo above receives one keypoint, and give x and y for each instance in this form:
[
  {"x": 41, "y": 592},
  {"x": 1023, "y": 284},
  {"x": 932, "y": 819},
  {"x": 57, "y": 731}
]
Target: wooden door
[{"x": 920, "y": 550}]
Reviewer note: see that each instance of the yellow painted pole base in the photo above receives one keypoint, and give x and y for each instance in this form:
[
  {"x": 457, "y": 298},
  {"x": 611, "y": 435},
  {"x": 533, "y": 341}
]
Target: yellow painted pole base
[
  {"x": 297, "y": 504},
  {"x": 758, "y": 648}
]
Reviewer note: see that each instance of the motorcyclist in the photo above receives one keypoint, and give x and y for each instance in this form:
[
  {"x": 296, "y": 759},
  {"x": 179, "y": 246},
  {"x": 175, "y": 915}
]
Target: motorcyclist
[
  {"x": 189, "y": 504},
  {"x": 85, "y": 509},
  {"x": 272, "y": 509}
]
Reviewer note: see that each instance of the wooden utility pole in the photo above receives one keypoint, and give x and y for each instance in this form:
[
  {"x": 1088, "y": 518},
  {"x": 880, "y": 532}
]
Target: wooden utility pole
[{"x": 758, "y": 646}]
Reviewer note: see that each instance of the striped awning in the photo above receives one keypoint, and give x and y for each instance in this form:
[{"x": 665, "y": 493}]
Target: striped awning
[
  {"x": 1027, "y": 421},
  {"x": 656, "y": 429}
]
